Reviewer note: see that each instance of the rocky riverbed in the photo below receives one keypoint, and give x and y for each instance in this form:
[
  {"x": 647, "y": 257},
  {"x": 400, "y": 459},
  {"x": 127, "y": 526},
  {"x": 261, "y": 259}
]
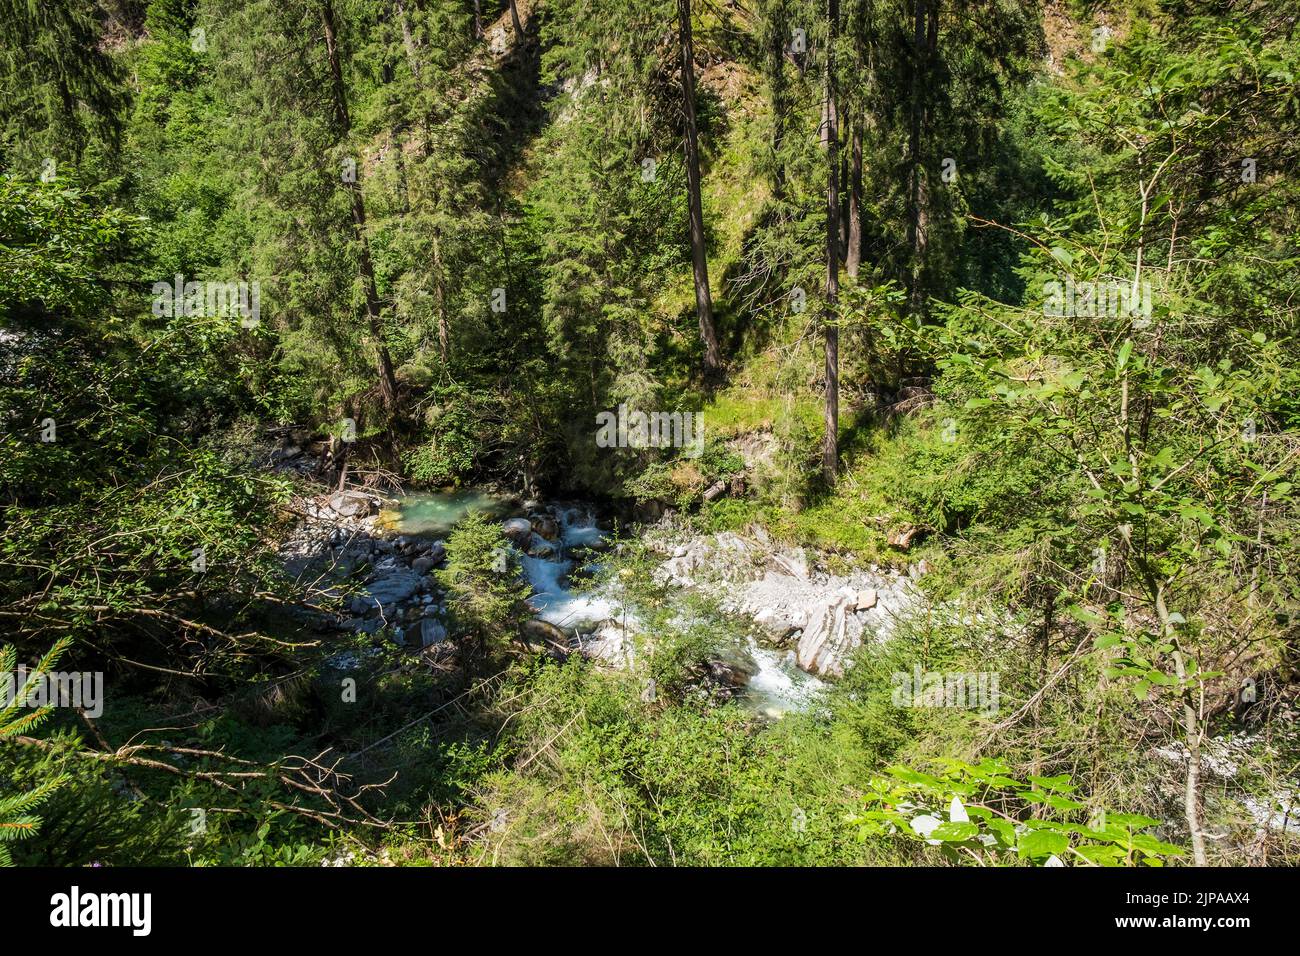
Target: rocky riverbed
[
  {"x": 823, "y": 617},
  {"x": 370, "y": 560},
  {"x": 368, "y": 574}
]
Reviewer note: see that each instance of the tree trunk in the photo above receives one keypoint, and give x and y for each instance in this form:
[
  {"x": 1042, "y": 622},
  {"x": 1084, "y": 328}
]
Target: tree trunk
[
  {"x": 514, "y": 21},
  {"x": 478, "y": 19},
  {"x": 830, "y": 445},
  {"x": 703, "y": 299},
  {"x": 440, "y": 299},
  {"x": 924, "y": 39},
  {"x": 387, "y": 379},
  {"x": 843, "y": 122},
  {"x": 853, "y": 258},
  {"x": 777, "y": 66},
  {"x": 408, "y": 42},
  {"x": 1191, "y": 731}
]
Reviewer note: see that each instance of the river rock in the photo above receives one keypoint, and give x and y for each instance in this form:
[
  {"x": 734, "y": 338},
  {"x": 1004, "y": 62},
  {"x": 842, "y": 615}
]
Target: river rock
[
  {"x": 390, "y": 588},
  {"x": 518, "y": 530},
  {"x": 432, "y": 631},
  {"x": 612, "y": 645},
  {"x": 780, "y": 622},
  {"x": 733, "y": 671},
  {"x": 730, "y": 541},
  {"x": 827, "y": 615},
  {"x": 546, "y": 526},
  {"x": 793, "y": 563},
  {"x": 535, "y": 630},
  {"x": 423, "y": 565},
  {"x": 539, "y": 547},
  {"x": 648, "y": 512},
  {"x": 351, "y": 504},
  {"x": 1279, "y": 813},
  {"x": 679, "y": 570},
  {"x": 830, "y": 637}
]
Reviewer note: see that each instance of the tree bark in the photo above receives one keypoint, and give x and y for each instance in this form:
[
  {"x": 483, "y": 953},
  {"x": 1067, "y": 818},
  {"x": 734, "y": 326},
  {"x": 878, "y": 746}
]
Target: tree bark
[
  {"x": 843, "y": 121},
  {"x": 440, "y": 299},
  {"x": 777, "y": 53},
  {"x": 703, "y": 298},
  {"x": 1191, "y": 731},
  {"x": 853, "y": 257},
  {"x": 408, "y": 41},
  {"x": 514, "y": 21},
  {"x": 925, "y": 38},
  {"x": 830, "y": 444},
  {"x": 387, "y": 378}
]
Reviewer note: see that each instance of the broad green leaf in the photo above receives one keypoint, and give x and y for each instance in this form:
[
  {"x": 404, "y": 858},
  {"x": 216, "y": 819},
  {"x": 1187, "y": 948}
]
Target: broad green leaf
[{"x": 1040, "y": 844}]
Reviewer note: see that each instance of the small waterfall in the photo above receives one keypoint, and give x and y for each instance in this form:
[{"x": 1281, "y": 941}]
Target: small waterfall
[
  {"x": 545, "y": 574},
  {"x": 578, "y": 528},
  {"x": 558, "y": 604},
  {"x": 778, "y": 686}
]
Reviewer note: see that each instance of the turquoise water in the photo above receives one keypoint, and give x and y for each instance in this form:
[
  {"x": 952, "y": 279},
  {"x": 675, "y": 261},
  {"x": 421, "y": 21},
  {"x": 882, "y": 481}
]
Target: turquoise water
[{"x": 436, "y": 512}]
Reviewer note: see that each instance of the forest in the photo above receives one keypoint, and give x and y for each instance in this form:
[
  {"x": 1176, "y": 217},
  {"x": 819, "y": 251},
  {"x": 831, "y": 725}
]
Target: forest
[{"x": 649, "y": 433}]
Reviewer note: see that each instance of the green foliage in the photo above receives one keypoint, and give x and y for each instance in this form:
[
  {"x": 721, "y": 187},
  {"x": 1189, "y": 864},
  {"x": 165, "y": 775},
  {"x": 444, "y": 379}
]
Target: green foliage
[
  {"x": 456, "y": 436},
  {"x": 62, "y": 88},
  {"x": 17, "y": 822},
  {"x": 980, "y": 813},
  {"x": 114, "y": 479},
  {"x": 93, "y": 818},
  {"x": 485, "y": 594},
  {"x": 459, "y": 248},
  {"x": 682, "y": 481},
  {"x": 633, "y": 783}
]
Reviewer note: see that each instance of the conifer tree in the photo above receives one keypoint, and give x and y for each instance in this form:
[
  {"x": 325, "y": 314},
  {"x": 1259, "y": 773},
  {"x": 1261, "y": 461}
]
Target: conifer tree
[
  {"x": 60, "y": 87},
  {"x": 17, "y": 822},
  {"x": 830, "y": 440},
  {"x": 699, "y": 257}
]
